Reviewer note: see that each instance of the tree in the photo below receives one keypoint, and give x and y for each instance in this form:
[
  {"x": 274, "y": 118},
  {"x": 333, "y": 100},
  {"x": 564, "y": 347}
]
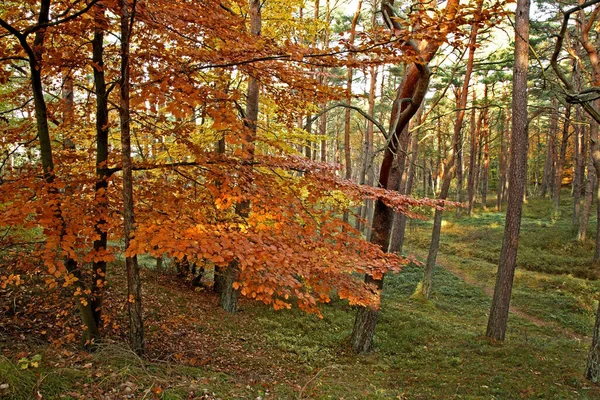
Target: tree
[
  {"x": 498, "y": 318},
  {"x": 413, "y": 87}
]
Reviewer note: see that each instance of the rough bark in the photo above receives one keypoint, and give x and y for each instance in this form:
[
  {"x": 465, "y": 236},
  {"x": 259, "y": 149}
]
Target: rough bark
[
  {"x": 134, "y": 282},
  {"x": 592, "y": 369},
  {"x": 498, "y": 318}
]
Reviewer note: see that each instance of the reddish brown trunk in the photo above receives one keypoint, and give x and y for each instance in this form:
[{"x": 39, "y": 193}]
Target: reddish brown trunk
[{"x": 498, "y": 318}]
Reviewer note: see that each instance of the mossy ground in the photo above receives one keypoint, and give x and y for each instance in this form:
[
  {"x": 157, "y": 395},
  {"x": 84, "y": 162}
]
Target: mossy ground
[{"x": 425, "y": 349}]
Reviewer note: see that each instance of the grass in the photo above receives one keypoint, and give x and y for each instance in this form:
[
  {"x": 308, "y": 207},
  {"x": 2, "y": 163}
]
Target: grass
[{"x": 425, "y": 349}]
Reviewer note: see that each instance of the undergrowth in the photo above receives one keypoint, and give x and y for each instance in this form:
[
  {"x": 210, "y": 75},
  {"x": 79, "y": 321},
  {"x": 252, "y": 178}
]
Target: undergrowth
[{"x": 424, "y": 349}]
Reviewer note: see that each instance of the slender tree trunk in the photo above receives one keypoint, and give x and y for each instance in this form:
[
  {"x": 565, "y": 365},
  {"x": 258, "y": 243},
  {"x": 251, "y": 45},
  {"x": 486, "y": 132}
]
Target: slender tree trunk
[
  {"x": 100, "y": 196},
  {"x": 399, "y": 227},
  {"x": 547, "y": 178},
  {"x": 473, "y": 170},
  {"x": 577, "y": 170},
  {"x": 35, "y": 60},
  {"x": 486, "y": 163},
  {"x": 134, "y": 282},
  {"x": 498, "y": 318},
  {"x": 229, "y": 295},
  {"x": 460, "y": 167},
  {"x": 503, "y": 167},
  {"x": 562, "y": 158},
  {"x": 589, "y": 188},
  {"x": 449, "y": 165}
]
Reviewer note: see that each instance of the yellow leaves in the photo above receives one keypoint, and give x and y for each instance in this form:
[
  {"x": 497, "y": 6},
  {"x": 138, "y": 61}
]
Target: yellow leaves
[
  {"x": 69, "y": 280},
  {"x": 11, "y": 279},
  {"x": 224, "y": 202},
  {"x": 236, "y": 285}
]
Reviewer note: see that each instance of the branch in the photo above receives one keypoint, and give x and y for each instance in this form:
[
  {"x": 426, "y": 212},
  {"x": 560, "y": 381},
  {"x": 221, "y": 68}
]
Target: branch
[
  {"x": 359, "y": 110},
  {"x": 37, "y": 27},
  {"x": 591, "y": 110}
]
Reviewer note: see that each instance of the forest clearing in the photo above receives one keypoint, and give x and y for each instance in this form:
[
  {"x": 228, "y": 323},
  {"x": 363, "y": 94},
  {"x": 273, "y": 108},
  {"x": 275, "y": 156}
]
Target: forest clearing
[
  {"x": 431, "y": 349},
  {"x": 299, "y": 199}
]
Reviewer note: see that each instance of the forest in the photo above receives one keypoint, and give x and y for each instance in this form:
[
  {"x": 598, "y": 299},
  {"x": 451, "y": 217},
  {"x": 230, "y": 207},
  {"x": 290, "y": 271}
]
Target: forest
[{"x": 299, "y": 199}]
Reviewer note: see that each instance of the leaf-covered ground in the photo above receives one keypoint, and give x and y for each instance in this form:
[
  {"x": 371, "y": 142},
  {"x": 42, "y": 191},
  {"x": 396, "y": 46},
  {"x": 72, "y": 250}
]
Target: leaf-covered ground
[{"x": 425, "y": 350}]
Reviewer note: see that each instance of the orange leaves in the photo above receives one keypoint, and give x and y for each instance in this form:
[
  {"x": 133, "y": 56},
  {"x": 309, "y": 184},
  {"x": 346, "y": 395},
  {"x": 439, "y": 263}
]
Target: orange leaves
[{"x": 11, "y": 279}]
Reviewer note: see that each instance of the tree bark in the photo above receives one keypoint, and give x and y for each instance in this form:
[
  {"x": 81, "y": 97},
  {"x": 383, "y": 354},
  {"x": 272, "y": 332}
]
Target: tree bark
[
  {"x": 475, "y": 146},
  {"x": 486, "y": 163},
  {"x": 102, "y": 174},
  {"x": 498, "y": 318},
  {"x": 134, "y": 282},
  {"x": 577, "y": 169},
  {"x": 547, "y": 178},
  {"x": 229, "y": 295},
  {"x": 589, "y": 189}
]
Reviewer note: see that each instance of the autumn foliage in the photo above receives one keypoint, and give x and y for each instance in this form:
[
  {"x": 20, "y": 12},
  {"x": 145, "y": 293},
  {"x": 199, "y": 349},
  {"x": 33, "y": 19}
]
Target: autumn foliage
[{"x": 189, "y": 67}]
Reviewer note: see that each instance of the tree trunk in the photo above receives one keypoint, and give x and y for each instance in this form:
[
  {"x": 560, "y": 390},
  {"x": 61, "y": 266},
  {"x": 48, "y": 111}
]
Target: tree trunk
[
  {"x": 35, "y": 60},
  {"x": 592, "y": 369},
  {"x": 229, "y": 295},
  {"x": 450, "y": 165},
  {"x": 415, "y": 87},
  {"x": 399, "y": 227},
  {"x": 460, "y": 166},
  {"x": 577, "y": 169},
  {"x": 500, "y": 195},
  {"x": 486, "y": 163},
  {"x": 589, "y": 188},
  {"x": 134, "y": 283},
  {"x": 473, "y": 170},
  {"x": 100, "y": 196},
  {"x": 547, "y": 178},
  {"x": 562, "y": 158},
  {"x": 498, "y": 318}
]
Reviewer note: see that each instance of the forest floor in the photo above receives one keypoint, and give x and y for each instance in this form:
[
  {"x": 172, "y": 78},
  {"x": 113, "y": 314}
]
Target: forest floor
[{"x": 424, "y": 349}]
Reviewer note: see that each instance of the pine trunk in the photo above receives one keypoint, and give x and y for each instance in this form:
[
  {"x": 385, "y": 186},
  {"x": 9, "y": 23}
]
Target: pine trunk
[
  {"x": 498, "y": 318},
  {"x": 561, "y": 159}
]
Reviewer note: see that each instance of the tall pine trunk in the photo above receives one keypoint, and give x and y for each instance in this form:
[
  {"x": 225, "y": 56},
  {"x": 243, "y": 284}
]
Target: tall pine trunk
[
  {"x": 449, "y": 165},
  {"x": 498, "y": 318}
]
